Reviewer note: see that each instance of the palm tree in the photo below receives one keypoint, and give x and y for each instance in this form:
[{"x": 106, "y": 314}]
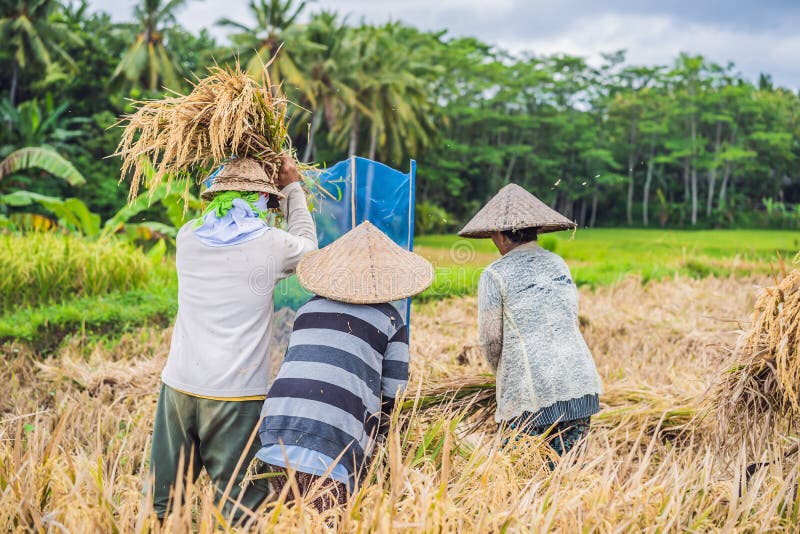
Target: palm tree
[
  {"x": 276, "y": 26},
  {"x": 147, "y": 62},
  {"x": 391, "y": 93},
  {"x": 327, "y": 68},
  {"x": 33, "y": 34},
  {"x": 403, "y": 110}
]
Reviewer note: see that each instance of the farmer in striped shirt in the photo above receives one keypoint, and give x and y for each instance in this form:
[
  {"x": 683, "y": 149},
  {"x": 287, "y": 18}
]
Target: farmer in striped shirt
[{"x": 346, "y": 364}]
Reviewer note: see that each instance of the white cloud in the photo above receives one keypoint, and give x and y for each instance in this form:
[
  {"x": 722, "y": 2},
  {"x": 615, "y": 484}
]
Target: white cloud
[{"x": 652, "y": 40}]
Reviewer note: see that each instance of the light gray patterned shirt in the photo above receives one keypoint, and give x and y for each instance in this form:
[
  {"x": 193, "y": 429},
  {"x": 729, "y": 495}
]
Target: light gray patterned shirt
[{"x": 528, "y": 328}]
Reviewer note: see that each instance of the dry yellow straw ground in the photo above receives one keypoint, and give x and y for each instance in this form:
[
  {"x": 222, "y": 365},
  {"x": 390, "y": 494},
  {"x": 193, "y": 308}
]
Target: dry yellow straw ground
[{"x": 74, "y": 433}]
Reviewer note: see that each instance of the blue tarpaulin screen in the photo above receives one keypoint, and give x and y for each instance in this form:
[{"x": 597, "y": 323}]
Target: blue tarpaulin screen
[{"x": 360, "y": 190}]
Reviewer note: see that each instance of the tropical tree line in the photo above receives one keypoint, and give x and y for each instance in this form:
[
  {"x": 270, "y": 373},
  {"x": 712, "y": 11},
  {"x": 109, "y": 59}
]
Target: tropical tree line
[{"x": 691, "y": 144}]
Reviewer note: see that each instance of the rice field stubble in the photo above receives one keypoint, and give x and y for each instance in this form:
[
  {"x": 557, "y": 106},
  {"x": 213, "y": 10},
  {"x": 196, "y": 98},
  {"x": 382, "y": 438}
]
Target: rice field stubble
[{"x": 75, "y": 431}]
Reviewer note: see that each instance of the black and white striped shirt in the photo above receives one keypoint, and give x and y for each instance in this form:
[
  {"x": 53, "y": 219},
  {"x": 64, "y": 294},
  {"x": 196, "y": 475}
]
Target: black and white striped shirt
[{"x": 345, "y": 365}]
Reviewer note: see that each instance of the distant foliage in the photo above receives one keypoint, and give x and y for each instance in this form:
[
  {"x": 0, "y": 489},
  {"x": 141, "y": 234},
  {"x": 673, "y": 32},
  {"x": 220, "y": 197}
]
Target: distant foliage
[
  {"x": 431, "y": 219},
  {"x": 690, "y": 144}
]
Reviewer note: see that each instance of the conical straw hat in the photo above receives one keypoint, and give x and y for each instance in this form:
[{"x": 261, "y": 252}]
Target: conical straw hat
[
  {"x": 364, "y": 266},
  {"x": 242, "y": 174},
  {"x": 513, "y": 208}
]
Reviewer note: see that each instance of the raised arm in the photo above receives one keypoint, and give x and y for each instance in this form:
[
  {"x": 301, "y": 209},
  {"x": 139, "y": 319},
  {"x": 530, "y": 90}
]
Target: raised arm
[
  {"x": 490, "y": 317},
  {"x": 302, "y": 236}
]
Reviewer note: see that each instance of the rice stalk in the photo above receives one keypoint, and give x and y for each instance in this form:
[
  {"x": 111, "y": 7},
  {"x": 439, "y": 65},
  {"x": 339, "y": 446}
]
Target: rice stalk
[
  {"x": 759, "y": 391},
  {"x": 226, "y": 114},
  {"x": 42, "y": 268},
  {"x": 74, "y": 441},
  {"x": 634, "y": 406},
  {"x": 471, "y": 397}
]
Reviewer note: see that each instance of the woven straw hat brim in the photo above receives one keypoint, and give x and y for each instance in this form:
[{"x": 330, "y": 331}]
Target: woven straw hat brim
[
  {"x": 541, "y": 229},
  {"x": 364, "y": 266},
  {"x": 242, "y": 175},
  {"x": 514, "y": 208},
  {"x": 234, "y": 184}
]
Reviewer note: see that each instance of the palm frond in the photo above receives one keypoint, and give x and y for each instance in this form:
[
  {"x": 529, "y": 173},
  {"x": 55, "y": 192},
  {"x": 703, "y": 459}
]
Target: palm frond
[{"x": 230, "y": 23}]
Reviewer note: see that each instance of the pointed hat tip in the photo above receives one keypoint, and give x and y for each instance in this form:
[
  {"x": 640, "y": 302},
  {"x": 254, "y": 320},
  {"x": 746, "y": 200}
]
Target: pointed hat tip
[
  {"x": 364, "y": 266},
  {"x": 512, "y": 208}
]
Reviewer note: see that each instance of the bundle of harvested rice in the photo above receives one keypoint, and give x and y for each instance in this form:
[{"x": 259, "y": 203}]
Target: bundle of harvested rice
[
  {"x": 470, "y": 395},
  {"x": 640, "y": 407},
  {"x": 467, "y": 398},
  {"x": 759, "y": 392},
  {"x": 227, "y": 114},
  {"x": 643, "y": 409}
]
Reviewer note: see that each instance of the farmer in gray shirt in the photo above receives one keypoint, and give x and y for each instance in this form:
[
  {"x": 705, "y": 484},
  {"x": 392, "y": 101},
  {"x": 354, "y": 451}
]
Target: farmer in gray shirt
[
  {"x": 547, "y": 381},
  {"x": 217, "y": 372}
]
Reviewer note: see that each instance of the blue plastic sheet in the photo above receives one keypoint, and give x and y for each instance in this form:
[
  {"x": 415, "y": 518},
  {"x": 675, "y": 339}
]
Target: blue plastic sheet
[
  {"x": 358, "y": 190},
  {"x": 363, "y": 190}
]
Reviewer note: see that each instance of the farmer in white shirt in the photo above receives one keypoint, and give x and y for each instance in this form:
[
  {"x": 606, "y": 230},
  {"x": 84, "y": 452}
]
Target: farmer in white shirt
[
  {"x": 217, "y": 372},
  {"x": 547, "y": 381}
]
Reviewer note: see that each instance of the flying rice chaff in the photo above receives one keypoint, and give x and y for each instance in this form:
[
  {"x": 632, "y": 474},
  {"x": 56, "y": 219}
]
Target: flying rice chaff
[
  {"x": 226, "y": 114},
  {"x": 759, "y": 392}
]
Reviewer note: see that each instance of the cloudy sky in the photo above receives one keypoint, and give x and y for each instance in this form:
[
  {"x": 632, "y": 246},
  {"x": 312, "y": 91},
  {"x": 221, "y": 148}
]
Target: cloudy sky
[{"x": 758, "y": 35}]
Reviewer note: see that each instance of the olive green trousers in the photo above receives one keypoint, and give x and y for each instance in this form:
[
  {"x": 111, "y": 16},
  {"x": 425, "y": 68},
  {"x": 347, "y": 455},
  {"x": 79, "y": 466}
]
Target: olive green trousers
[{"x": 191, "y": 433}]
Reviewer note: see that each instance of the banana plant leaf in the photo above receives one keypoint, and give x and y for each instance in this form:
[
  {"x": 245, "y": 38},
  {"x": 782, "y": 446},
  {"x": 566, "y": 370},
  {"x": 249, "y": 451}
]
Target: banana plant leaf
[{"x": 42, "y": 158}]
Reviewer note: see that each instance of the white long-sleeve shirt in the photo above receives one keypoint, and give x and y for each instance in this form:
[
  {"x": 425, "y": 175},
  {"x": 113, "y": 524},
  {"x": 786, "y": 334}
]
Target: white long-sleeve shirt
[{"x": 220, "y": 344}]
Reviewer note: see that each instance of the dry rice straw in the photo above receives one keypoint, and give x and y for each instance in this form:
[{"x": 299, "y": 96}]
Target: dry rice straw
[
  {"x": 638, "y": 406},
  {"x": 226, "y": 114},
  {"x": 759, "y": 392}
]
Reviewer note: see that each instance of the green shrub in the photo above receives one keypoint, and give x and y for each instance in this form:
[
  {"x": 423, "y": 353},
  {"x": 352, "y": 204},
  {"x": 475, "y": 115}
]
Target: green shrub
[
  {"x": 47, "y": 268},
  {"x": 431, "y": 219}
]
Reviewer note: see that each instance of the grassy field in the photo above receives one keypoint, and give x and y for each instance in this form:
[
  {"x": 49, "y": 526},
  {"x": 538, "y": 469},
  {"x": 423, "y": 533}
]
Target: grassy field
[
  {"x": 605, "y": 256},
  {"x": 43, "y": 268},
  {"x": 75, "y": 434},
  {"x": 56, "y": 285}
]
